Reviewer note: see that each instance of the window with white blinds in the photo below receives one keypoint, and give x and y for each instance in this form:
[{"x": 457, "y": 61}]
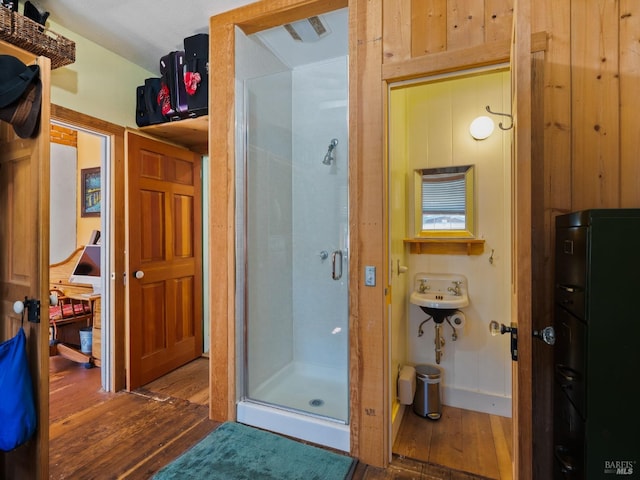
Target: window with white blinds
[
  {"x": 444, "y": 198},
  {"x": 443, "y": 194}
]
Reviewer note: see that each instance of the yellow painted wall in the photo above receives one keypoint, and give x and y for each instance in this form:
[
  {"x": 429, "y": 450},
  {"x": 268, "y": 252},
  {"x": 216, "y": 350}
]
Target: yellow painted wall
[
  {"x": 429, "y": 127},
  {"x": 99, "y": 83},
  {"x": 398, "y": 254},
  {"x": 89, "y": 156}
]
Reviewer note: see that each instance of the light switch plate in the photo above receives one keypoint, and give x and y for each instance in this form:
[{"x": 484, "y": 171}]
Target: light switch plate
[{"x": 370, "y": 276}]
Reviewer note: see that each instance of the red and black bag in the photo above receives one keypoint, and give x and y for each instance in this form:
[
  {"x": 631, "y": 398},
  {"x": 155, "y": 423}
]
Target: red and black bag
[
  {"x": 173, "y": 96},
  {"x": 148, "y": 111},
  {"x": 196, "y": 76}
]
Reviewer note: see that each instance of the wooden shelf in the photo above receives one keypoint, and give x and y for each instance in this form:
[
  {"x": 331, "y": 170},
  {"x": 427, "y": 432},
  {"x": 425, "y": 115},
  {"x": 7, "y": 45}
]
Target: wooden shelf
[
  {"x": 192, "y": 133},
  {"x": 451, "y": 246}
]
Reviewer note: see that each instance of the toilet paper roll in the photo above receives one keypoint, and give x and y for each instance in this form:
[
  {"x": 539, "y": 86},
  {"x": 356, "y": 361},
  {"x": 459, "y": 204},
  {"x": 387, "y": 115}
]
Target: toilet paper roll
[
  {"x": 457, "y": 320},
  {"x": 407, "y": 384}
]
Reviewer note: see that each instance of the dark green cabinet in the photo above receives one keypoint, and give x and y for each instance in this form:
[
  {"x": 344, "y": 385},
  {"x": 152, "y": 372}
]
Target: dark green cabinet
[{"x": 597, "y": 351}]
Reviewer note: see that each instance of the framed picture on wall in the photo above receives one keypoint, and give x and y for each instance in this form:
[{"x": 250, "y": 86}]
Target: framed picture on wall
[{"x": 91, "y": 192}]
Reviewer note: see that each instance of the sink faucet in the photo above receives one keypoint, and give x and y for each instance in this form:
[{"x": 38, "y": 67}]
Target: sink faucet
[
  {"x": 456, "y": 288},
  {"x": 423, "y": 286}
]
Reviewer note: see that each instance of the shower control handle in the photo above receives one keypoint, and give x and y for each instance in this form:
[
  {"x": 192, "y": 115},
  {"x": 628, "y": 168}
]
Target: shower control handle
[{"x": 334, "y": 275}]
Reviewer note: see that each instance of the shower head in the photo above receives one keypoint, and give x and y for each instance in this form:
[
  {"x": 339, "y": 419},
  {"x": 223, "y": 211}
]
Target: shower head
[{"x": 330, "y": 156}]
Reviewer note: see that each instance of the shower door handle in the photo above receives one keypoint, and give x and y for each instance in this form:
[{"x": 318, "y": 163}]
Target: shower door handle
[{"x": 334, "y": 275}]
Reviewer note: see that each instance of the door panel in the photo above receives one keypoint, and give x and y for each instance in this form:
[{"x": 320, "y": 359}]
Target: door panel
[
  {"x": 164, "y": 228},
  {"x": 521, "y": 224},
  {"x": 24, "y": 247}
]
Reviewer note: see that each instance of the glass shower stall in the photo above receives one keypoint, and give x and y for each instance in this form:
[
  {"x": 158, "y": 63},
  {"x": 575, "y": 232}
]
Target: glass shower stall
[{"x": 293, "y": 232}]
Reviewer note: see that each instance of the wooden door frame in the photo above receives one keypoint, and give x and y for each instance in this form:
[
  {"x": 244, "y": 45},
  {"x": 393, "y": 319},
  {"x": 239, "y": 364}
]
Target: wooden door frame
[
  {"x": 519, "y": 56},
  {"x": 368, "y": 340},
  {"x": 115, "y": 133}
]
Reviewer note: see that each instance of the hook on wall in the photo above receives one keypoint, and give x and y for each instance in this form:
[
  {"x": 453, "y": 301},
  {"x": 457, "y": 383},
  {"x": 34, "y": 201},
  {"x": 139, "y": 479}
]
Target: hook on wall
[{"x": 504, "y": 115}]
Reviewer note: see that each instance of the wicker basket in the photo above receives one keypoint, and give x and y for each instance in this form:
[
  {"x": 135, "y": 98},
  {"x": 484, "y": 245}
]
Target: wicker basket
[
  {"x": 38, "y": 40},
  {"x": 6, "y": 23}
]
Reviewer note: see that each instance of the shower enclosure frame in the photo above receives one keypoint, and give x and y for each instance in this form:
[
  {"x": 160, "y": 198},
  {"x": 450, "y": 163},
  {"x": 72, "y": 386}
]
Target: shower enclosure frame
[{"x": 292, "y": 206}]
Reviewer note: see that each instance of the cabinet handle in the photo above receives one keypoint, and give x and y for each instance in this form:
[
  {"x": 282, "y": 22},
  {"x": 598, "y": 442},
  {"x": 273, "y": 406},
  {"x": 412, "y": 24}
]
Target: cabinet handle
[
  {"x": 334, "y": 275},
  {"x": 565, "y": 462},
  {"x": 569, "y": 288},
  {"x": 568, "y": 374}
]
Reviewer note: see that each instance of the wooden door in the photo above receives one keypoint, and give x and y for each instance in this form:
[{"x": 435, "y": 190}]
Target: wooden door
[
  {"x": 24, "y": 262},
  {"x": 521, "y": 225},
  {"x": 165, "y": 261}
]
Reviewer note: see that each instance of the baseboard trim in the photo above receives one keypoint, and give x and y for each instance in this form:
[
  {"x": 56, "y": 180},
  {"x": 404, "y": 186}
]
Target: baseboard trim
[{"x": 476, "y": 401}]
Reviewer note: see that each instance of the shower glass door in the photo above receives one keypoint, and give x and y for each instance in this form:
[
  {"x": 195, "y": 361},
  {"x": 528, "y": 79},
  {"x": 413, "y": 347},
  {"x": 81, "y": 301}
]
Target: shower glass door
[{"x": 293, "y": 252}]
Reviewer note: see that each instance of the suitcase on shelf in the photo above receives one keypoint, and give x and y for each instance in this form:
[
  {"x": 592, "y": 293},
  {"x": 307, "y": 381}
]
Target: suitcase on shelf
[
  {"x": 196, "y": 48},
  {"x": 172, "y": 69},
  {"x": 148, "y": 110}
]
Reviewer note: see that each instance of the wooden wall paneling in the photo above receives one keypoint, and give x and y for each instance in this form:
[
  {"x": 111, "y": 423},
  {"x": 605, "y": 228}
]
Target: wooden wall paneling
[
  {"x": 397, "y": 24},
  {"x": 557, "y": 108},
  {"x": 428, "y": 27},
  {"x": 222, "y": 392},
  {"x": 448, "y": 61},
  {"x": 368, "y": 337},
  {"x": 596, "y": 97},
  {"x": 465, "y": 23},
  {"x": 629, "y": 103},
  {"x": 455, "y": 60},
  {"x": 498, "y": 20}
]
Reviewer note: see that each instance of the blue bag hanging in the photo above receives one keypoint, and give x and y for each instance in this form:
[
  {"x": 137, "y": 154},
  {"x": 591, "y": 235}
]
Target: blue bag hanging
[{"x": 17, "y": 406}]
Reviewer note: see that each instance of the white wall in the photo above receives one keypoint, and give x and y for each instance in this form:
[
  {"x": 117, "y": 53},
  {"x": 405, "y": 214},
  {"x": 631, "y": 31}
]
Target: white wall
[
  {"x": 477, "y": 367},
  {"x": 297, "y": 207},
  {"x": 320, "y": 213},
  {"x": 62, "y": 237}
]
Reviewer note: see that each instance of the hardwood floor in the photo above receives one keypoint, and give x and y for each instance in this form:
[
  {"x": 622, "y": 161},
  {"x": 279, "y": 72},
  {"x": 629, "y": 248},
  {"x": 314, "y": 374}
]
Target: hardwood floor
[
  {"x": 98, "y": 435},
  {"x": 469, "y": 441}
]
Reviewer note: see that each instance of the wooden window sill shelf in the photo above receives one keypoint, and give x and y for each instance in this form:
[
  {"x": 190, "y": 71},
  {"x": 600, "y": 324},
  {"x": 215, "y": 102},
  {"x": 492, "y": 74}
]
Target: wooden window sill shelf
[{"x": 444, "y": 246}]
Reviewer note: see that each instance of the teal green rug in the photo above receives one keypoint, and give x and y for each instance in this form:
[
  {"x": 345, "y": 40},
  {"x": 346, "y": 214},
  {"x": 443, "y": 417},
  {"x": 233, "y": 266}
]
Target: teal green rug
[{"x": 237, "y": 452}]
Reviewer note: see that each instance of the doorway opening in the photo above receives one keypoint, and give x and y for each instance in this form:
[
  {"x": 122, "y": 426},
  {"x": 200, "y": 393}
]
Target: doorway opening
[
  {"x": 429, "y": 128},
  {"x": 74, "y": 220},
  {"x": 189, "y": 383}
]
